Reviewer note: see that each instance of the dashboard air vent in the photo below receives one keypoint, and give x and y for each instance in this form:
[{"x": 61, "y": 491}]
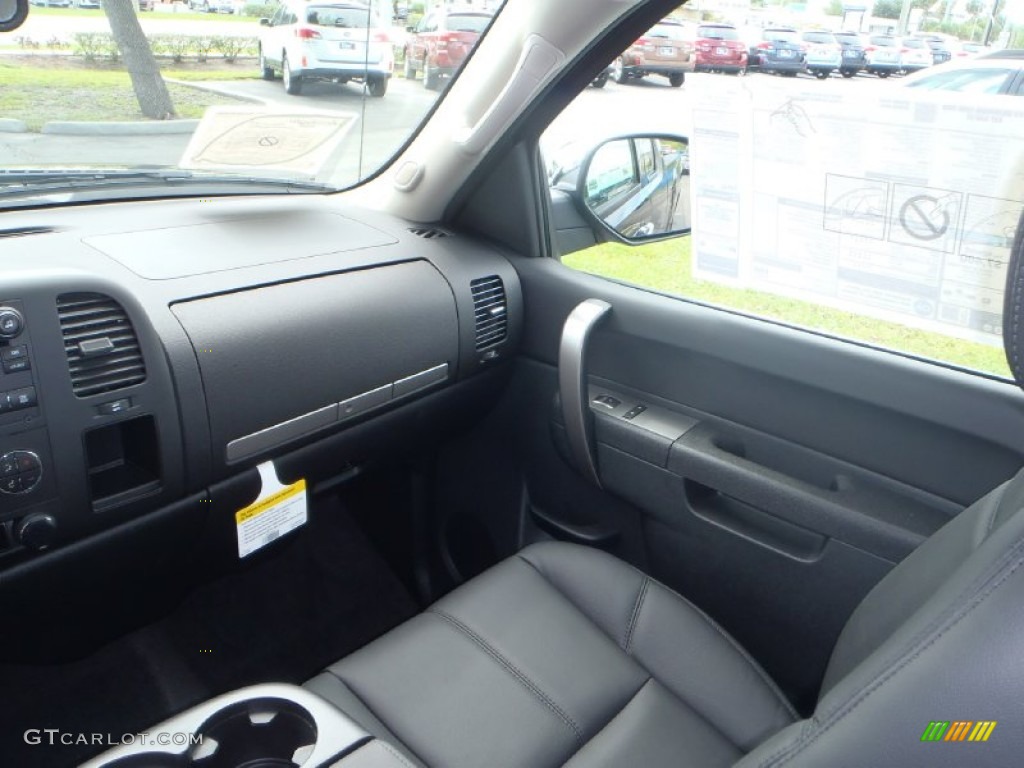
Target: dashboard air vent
[
  {"x": 102, "y": 349},
  {"x": 491, "y": 311},
  {"x": 428, "y": 233}
]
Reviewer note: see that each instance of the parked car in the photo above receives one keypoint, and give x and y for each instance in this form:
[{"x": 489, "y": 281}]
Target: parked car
[
  {"x": 718, "y": 48},
  {"x": 882, "y": 55},
  {"x": 147, "y": 5},
  {"x": 778, "y": 51},
  {"x": 963, "y": 49},
  {"x": 91, "y": 5},
  {"x": 823, "y": 53},
  {"x": 663, "y": 50},
  {"x": 990, "y": 76},
  {"x": 941, "y": 52},
  {"x": 52, "y": 3},
  {"x": 602, "y": 77},
  {"x": 440, "y": 43},
  {"x": 915, "y": 55},
  {"x": 335, "y": 42},
  {"x": 854, "y": 59}
]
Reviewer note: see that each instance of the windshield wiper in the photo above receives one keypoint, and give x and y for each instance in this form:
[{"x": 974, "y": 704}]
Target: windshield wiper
[{"x": 32, "y": 181}]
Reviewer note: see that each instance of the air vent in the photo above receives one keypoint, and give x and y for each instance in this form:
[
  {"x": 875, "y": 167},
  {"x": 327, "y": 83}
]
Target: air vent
[
  {"x": 491, "y": 312},
  {"x": 428, "y": 233},
  {"x": 102, "y": 350}
]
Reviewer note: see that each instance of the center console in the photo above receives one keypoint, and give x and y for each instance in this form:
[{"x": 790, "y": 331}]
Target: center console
[{"x": 261, "y": 726}]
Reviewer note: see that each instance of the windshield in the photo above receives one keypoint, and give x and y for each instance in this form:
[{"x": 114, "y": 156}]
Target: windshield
[
  {"x": 717, "y": 33},
  {"x": 819, "y": 37},
  {"x": 468, "y": 22},
  {"x": 848, "y": 38},
  {"x": 165, "y": 96},
  {"x": 781, "y": 36},
  {"x": 911, "y": 43},
  {"x": 884, "y": 42},
  {"x": 671, "y": 31}
]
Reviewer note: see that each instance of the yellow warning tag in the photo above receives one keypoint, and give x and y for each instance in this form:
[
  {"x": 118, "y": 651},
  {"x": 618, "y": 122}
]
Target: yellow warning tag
[{"x": 270, "y": 517}]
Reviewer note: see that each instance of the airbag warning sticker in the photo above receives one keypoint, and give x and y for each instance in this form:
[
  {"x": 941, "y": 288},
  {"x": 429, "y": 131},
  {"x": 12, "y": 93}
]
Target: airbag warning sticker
[{"x": 270, "y": 518}]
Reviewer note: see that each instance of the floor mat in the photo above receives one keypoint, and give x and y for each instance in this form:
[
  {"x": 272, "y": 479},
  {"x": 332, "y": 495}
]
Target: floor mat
[{"x": 327, "y": 594}]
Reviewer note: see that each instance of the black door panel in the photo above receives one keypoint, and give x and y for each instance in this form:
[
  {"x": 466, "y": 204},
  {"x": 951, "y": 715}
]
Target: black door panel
[{"x": 803, "y": 468}]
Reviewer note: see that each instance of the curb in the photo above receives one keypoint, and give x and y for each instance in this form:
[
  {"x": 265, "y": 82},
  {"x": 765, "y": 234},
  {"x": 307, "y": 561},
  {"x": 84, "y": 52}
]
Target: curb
[
  {"x": 141, "y": 128},
  {"x": 220, "y": 90},
  {"x": 10, "y": 125}
]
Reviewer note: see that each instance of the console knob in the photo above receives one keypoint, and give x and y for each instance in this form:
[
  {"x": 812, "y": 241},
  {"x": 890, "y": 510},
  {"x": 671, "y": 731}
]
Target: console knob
[
  {"x": 36, "y": 531},
  {"x": 11, "y": 322}
]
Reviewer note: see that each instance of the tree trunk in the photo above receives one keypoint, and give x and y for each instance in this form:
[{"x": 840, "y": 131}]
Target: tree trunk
[{"x": 150, "y": 89}]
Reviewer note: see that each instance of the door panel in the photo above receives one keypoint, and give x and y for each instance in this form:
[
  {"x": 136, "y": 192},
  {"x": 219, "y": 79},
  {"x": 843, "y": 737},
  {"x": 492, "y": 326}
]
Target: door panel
[{"x": 796, "y": 472}]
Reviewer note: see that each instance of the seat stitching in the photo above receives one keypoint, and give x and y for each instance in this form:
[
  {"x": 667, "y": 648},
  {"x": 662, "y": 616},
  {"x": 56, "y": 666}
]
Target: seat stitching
[
  {"x": 736, "y": 646},
  {"x": 512, "y": 669},
  {"x": 394, "y": 753},
  {"x": 794, "y": 748},
  {"x": 362, "y": 699},
  {"x": 635, "y": 616},
  {"x": 611, "y": 720}
]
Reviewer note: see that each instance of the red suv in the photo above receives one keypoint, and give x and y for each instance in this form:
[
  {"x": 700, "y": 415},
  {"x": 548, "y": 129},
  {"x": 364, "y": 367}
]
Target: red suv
[
  {"x": 719, "y": 49},
  {"x": 440, "y": 43}
]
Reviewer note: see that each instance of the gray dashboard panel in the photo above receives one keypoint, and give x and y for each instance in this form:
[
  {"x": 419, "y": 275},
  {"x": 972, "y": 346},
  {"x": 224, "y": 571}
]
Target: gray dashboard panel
[{"x": 235, "y": 242}]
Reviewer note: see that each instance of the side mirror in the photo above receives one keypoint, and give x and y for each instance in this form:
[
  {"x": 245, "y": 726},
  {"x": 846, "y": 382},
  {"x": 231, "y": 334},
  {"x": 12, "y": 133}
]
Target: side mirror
[
  {"x": 264, "y": 22},
  {"x": 636, "y": 188},
  {"x": 12, "y": 14}
]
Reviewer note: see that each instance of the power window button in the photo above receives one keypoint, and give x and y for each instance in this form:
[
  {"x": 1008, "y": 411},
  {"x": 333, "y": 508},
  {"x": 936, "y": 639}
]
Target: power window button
[
  {"x": 635, "y": 411},
  {"x": 608, "y": 401}
]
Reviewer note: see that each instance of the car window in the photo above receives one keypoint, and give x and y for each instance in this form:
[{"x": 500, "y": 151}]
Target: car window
[
  {"x": 781, "y": 36},
  {"x": 717, "y": 33},
  {"x": 867, "y": 208},
  {"x": 337, "y": 16},
  {"x": 468, "y": 22},
  {"x": 912, "y": 43},
  {"x": 982, "y": 80},
  {"x": 319, "y": 95},
  {"x": 670, "y": 31}
]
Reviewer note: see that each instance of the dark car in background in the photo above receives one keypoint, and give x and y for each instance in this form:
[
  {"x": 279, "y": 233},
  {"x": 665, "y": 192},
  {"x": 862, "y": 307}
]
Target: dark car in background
[
  {"x": 665, "y": 50},
  {"x": 719, "y": 49},
  {"x": 854, "y": 59},
  {"x": 778, "y": 52},
  {"x": 440, "y": 43},
  {"x": 941, "y": 52}
]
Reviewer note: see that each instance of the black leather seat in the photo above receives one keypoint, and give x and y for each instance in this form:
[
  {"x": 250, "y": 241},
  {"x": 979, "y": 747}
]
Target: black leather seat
[
  {"x": 564, "y": 655},
  {"x": 560, "y": 654}
]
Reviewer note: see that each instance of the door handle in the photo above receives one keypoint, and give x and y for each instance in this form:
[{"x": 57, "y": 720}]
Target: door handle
[{"x": 572, "y": 383}]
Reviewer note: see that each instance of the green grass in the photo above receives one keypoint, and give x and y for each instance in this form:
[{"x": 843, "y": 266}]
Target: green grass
[
  {"x": 666, "y": 267},
  {"x": 38, "y": 95}
]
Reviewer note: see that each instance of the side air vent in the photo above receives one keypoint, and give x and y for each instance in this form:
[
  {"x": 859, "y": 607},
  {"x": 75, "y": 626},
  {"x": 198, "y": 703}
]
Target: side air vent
[
  {"x": 491, "y": 311},
  {"x": 102, "y": 350},
  {"x": 428, "y": 233}
]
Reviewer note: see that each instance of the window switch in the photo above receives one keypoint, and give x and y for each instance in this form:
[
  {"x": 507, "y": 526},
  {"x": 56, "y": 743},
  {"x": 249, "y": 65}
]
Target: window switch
[
  {"x": 608, "y": 401},
  {"x": 635, "y": 411}
]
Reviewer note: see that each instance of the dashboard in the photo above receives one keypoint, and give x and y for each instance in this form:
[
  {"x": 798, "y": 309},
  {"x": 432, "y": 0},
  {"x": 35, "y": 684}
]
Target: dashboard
[{"x": 154, "y": 353}]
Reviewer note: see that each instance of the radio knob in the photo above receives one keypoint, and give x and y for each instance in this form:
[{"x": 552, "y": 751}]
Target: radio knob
[
  {"x": 11, "y": 322},
  {"x": 36, "y": 531}
]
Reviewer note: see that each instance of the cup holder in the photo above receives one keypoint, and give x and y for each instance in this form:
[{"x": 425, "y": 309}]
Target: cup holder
[
  {"x": 257, "y": 733},
  {"x": 270, "y": 725}
]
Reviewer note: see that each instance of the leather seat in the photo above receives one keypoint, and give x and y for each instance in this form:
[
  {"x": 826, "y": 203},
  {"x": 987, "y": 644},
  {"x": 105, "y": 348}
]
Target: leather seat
[
  {"x": 560, "y": 655},
  {"x": 563, "y": 655}
]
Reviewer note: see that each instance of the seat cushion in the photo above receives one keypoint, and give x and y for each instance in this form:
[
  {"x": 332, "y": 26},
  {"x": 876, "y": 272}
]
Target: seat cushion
[{"x": 559, "y": 655}]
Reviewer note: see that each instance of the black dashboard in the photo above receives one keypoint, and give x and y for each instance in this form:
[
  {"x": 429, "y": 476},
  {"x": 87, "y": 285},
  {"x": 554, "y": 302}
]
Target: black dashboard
[{"x": 154, "y": 353}]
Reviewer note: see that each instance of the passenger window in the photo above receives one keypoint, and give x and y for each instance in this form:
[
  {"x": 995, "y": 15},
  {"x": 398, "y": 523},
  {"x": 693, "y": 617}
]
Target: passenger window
[{"x": 858, "y": 207}]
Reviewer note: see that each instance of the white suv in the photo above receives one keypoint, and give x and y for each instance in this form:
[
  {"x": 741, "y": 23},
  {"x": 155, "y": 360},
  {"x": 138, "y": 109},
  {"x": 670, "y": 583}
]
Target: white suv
[{"x": 326, "y": 41}]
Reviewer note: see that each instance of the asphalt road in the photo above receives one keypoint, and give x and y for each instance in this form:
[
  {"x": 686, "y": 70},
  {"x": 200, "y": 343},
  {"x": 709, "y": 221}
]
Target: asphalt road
[{"x": 382, "y": 124}]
